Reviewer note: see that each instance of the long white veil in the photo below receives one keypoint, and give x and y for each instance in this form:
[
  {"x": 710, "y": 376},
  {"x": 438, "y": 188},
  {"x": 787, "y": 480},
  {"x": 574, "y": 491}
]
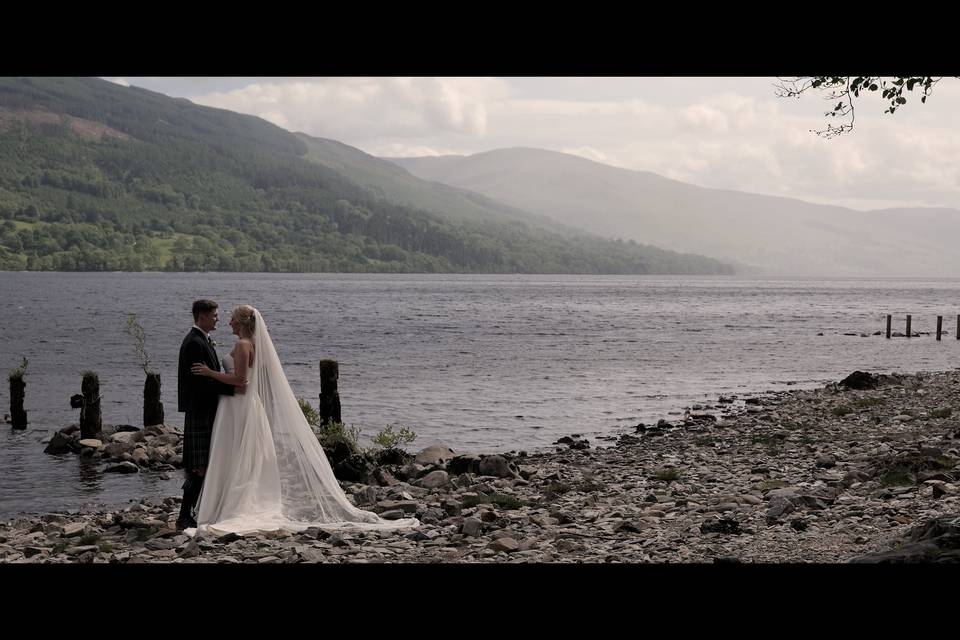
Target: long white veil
[{"x": 245, "y": 495}]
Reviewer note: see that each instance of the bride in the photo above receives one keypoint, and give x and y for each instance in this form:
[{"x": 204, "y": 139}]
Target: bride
[{"x": 267, "y": 470}]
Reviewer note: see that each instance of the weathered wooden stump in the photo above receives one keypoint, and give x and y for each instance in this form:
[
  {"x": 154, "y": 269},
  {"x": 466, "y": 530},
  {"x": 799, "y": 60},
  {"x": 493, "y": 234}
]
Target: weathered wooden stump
[
  {"x": 91, "y": 419},
  {"x": 909, "y": 319},
  {"x": 18, "y": 417},
  {"x": 152, "y": 407},
  {"x": 329, "y": 395},
  {"x": 889, "y": 320},
  {"x": 939, "y": 326}
]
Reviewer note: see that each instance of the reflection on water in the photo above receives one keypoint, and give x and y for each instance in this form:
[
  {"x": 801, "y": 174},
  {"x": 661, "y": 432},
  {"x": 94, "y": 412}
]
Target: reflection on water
[{"x": 90, "y": 474}]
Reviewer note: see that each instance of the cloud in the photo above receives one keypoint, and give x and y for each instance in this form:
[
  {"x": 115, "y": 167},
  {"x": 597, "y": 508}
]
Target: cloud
[{"x": 365, "y": 109}]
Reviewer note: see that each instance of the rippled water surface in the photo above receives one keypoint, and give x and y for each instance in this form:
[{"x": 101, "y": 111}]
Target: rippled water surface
[{"x": 481, "y": 363}]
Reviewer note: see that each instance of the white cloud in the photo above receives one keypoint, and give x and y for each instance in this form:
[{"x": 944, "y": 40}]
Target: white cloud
[{"x": 365, "y": 109}]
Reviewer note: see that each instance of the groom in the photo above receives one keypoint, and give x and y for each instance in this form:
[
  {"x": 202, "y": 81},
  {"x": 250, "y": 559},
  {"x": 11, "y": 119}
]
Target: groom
[{"x": 197, "y": 397}]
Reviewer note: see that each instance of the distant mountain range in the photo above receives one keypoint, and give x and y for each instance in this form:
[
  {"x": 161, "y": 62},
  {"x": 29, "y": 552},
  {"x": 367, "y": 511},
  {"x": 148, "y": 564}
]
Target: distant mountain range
[
  {"x": 96, "y": 176},
  {"x": 760, "y": 233}
]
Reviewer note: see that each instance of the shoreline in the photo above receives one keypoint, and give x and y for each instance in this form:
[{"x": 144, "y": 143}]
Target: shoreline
[{"x": 827, "y": 474}]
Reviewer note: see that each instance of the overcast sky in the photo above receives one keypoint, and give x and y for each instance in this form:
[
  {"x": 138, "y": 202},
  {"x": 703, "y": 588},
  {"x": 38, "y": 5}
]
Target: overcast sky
[{"x": 729, "y": 133}]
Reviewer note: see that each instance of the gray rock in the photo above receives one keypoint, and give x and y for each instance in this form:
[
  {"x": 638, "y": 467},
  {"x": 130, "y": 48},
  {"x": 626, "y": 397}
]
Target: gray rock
[
  {"x": 471, "y": 527},
  {"x": 504, "y": 544},
  {"x": 407, "y": 506},
  {"x": 497, "y": 466},
  {"x": 544, "y": 521},
  {"x": 464, "y": 463},
  {"x": 367, "y": 495},
  {"x": 826, "y": 462},
  {"x": 393, "y": 514},
  {"x": 384, "y": 478},
  {"x": 312, "y": 555},
  {"x": 779, "y": 506},
  {"x": 451, "y": 507},
  {"x": 91, "y": 442},
  {"x": 76, "y": 551},
  {"x": 73, "y": 529},
  {"x": 124, "y": 437},
  {"x": 437, "y": 454},
  {"x": 60, "y": 444},
  {"x": 435, "y": 479},
  {"x": 123, "y": 467}
]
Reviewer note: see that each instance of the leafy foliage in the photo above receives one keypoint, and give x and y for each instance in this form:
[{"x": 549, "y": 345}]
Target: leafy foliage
[
  {"x": 390, "y": 439},
  {"x": 845, "y": 89},
  {"x": 20, "y": 371},
  {"x": 135, "y": 330}
]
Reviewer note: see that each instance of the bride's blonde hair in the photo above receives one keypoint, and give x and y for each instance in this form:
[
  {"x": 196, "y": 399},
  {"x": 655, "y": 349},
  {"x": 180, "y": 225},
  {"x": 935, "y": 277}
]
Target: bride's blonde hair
[{"x": 244, "y": 314}]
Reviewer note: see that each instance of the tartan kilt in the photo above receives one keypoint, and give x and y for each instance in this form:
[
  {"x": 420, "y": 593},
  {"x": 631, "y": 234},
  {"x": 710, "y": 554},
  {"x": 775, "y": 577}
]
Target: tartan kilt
[{"x": 197, "y": 432}]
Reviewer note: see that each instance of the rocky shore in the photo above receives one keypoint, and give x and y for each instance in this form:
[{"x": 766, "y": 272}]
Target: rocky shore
[{"x": 862, "y": 471}]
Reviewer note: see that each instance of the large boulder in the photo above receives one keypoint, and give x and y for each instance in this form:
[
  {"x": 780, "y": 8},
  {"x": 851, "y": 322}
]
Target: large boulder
[
  {"x": 464, "y": 463},
  {"x": 434, "y": 479},
  {"x": 860, "y": 380},
  {"x": 438, "y": 454},
  {"x": 124, "y": 437},
  {"x": 60, "y": 443},
  {"x": 353, "y": 468},
  {"x": 936, "y": 540},
  {"x": 392, "y": 456},
  {"x": 116, "y": 449},
  {"x": 498, "y": 466}
]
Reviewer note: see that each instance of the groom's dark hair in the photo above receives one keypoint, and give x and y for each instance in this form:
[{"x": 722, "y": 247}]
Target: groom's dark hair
[{"x": 202, "y": 306}]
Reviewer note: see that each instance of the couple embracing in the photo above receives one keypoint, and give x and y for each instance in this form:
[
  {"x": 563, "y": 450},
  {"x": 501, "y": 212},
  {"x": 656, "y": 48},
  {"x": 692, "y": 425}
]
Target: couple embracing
[{"x": 251, "y": 459}]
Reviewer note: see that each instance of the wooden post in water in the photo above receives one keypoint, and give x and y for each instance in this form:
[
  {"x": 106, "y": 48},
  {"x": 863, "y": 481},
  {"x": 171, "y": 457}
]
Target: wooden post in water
[
  {"x": 18, "y": 417},
  {"x": 958, "y": 327},
  {"x": 909, "y": 317},
  {"x": 889, "y": 320},
  {"x": 152, "y": 407},
  {"x": 91, "y": 420},
  {"x": 939, "y": 325},
  {"x": 329, "y": 395}
]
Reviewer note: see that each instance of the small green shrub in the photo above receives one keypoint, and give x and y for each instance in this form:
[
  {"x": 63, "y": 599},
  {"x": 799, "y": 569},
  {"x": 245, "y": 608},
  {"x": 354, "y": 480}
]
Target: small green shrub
[{"x": 390, "y": 439}]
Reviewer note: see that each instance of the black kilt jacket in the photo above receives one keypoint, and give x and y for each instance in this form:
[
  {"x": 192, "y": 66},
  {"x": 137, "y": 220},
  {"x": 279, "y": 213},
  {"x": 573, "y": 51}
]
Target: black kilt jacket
[{"x": 197, "y": 397}]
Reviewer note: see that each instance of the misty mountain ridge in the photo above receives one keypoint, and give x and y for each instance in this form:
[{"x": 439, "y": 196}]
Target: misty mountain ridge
[{"x": 774, "y": 235}]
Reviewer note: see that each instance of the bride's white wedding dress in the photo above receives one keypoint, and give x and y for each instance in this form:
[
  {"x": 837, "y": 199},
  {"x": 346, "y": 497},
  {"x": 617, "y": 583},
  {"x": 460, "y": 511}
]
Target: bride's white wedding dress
[{"x": 267, "y": 470}]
